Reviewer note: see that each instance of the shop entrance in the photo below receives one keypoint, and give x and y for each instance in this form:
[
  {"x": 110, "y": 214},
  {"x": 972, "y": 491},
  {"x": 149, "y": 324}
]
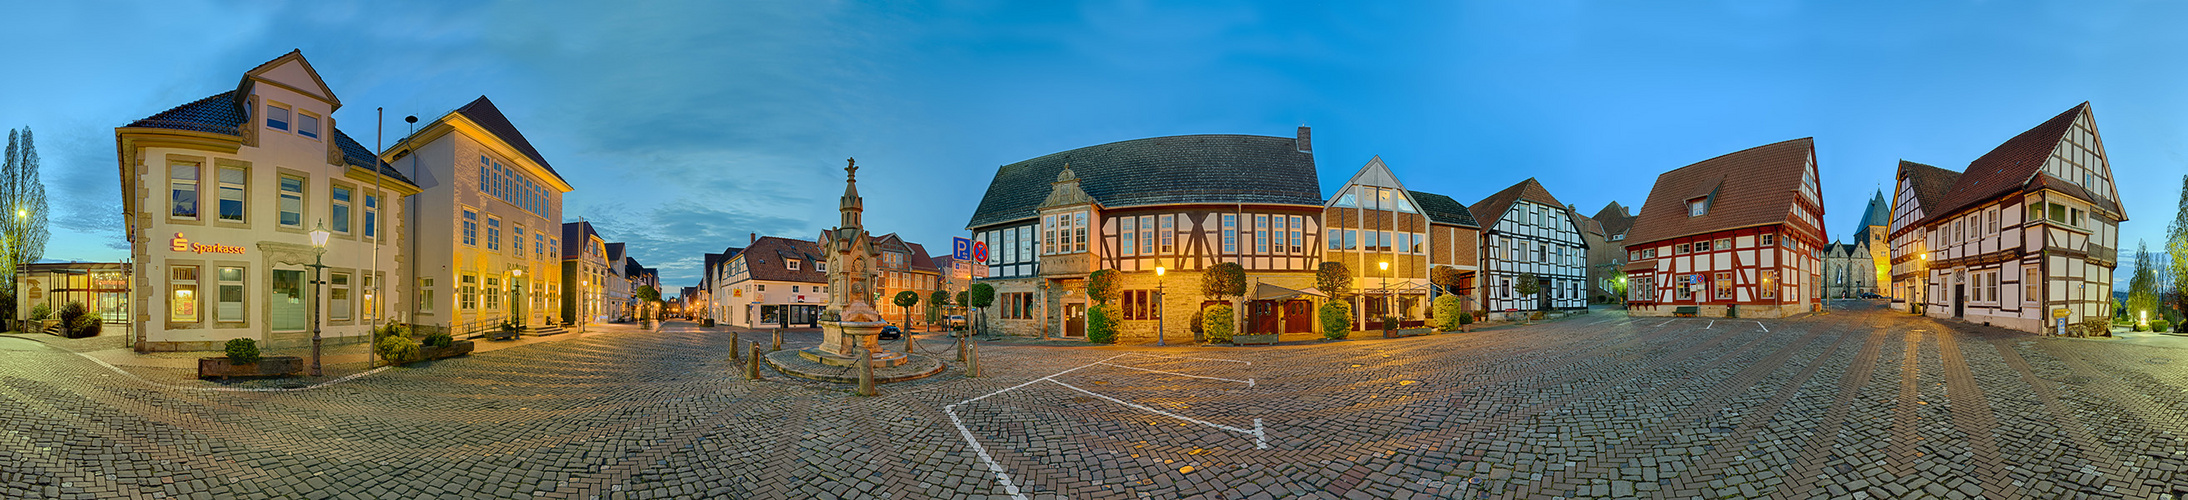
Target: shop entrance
[{"x": 1074, "y": 320}]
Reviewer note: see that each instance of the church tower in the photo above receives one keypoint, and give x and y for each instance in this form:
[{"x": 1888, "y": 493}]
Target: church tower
[{"x": 1872, "y": 232}]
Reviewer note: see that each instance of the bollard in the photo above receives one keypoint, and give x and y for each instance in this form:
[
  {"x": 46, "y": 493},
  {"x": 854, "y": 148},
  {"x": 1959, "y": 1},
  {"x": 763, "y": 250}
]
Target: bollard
[
  {"x": 752, "y": 363},
  {"x": 866, "y": 373},
  {"x": 778, "y": 339},
  {"x": 972, "y": 360},
  {"x": 908, "y": 343},
  {"x": 960, "y": 349},
  {"x": 733, "y": 347}
]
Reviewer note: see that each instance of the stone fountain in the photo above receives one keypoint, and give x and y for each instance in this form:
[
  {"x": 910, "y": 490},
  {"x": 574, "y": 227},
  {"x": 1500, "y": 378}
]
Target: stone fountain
[{"x": 850, "y": 324}]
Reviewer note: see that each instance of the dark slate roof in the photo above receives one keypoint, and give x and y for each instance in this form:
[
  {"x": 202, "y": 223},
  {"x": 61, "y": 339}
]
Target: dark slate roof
[
  {"x": 1444, "y": 210},
  {"x": 574, "y": 238},
  {"x": 221, "y": 114},
  {"x": 2007, "y": 167},
  {"x": 218, "y": 114},
  {"x": 1614, "y": 219},
  {"x": 1220, "y": 169},
  {"x": 483, "y": 112},
  {"x": 1879, "y": 212},
  {"x": 1494, "y": 206},
  {"x": 615, "y": 252},
  {"x": 1747, "y": 188},
  {"x": 631, "y": 267},
  {"x": 764, "y": 260}
]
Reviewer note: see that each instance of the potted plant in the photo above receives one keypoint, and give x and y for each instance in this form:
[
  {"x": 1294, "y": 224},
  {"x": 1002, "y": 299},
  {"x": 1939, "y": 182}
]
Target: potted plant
[
  {"x": 1390, "y": 327},
  {"x": 1466, "y": 322},
  {"x": 244, "y": 360}
]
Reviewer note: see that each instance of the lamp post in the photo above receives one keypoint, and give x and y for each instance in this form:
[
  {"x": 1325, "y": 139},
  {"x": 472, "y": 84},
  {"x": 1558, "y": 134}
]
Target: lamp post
[
  {"x": 514, "y": 302},
  {"x": 1386, "y": 292},
  {"x": 318, "y": 267},
  {"x": 1158, "y": 306}
]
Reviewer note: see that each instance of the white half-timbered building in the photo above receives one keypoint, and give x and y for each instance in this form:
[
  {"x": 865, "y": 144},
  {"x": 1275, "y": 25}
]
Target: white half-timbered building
[{"x": 1528, "y": 234}]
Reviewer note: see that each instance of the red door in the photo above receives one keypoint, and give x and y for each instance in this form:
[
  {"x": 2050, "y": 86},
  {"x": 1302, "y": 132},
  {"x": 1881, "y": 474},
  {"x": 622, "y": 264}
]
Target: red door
[
  {"x": 1263, "y": 314},
  {"x": 1298, "y": 317}
]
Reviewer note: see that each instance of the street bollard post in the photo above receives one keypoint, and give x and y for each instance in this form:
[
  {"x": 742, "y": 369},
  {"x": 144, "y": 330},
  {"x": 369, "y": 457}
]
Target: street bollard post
[
  {"x": 734, "y": 347},
  {"x": 960, "y": 349},
  {"x": 778, "y": 339},
  {"x": 866, "y": 373},
  {"x": 752, "y": 363},
  {"x": 972, "y": 360}
]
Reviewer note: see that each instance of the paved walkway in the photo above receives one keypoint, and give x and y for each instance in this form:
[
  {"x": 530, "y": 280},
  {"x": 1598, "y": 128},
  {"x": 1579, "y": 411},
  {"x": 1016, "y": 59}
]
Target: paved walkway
[{"x": 1864, "y": 402}]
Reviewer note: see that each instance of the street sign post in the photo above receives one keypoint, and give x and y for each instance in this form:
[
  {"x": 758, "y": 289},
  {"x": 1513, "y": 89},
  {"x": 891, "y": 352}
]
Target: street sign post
[
  {"x": 960, "y": 248},
  {"x": 980, "y": 251}
]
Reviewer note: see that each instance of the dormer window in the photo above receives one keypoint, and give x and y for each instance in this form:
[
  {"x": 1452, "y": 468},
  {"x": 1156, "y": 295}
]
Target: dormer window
[
  {"x": 1698, "y": 207},
  {"x": 791, "y": 263},
  {"x": 820, "y": 266}
]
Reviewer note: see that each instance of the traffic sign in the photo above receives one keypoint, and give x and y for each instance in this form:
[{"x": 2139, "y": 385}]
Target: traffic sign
[
  {"x": 980, "y": 251},
  {"x": 960, "y": 249}
]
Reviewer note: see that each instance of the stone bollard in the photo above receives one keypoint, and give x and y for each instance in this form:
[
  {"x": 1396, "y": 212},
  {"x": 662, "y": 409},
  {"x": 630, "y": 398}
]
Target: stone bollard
[
  {"x": 734, "y": 347},
  {"x": 752, "y": 363},
  {"x": 908, "y": 345},
  {"x": 778, "y": 339},
  {"x": 866, "y": 373},
  {"x": 961, "y": 349},
  {"x": 972, "y": 360}
]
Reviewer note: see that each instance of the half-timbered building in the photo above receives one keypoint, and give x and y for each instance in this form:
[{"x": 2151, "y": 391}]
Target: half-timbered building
[
  {"x": 1738, "y": 235},
  {"x": 2027, "y": 236},
  {"x": 1916, "y": 186},
  {"x": 1376, "y": 229},
  {"x": 1528, "y": 236},
  {"x": 1178, "y": 203}
]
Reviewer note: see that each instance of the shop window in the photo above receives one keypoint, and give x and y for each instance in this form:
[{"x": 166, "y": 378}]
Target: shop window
[
  {"x": 1769, "y": 284},
  {"x": 370, "y": 309},
  {"x": 232, "y": 182},
  {"x": 183, "y": 190},
  {"x": 338, "y": 297},
  {"x": 229, "y": 298},
  {"x": 292, "y": 201},
  {"x": 1685, "y": 287},
  {"x": 287, "y": 305},
  {"x": 1724, "y": 286},
  {"x": 182, "y": 302}
]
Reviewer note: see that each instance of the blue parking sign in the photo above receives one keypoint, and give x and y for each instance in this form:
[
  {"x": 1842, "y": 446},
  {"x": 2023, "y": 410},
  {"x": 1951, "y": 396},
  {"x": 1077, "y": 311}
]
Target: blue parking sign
[{"x": 960, "y": 249}]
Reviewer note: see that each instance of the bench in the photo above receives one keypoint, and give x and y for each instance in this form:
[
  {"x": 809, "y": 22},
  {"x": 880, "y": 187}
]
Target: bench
[{"x": 1686, "y": 311}]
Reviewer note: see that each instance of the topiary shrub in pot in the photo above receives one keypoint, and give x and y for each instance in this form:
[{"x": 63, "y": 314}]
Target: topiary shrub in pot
[
  {"x": 1466, "y": 321},
  {"x": 440, "y": 339},
  {"x": 1220, "y": 322},
  {"x": 1199, "y": 334},
  {"x": 1336, "y": 320},
  {"x": 243, "y": 351}
]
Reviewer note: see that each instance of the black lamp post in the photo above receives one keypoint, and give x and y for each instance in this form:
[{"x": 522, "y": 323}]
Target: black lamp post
[
  {"x": 1158, "y": 306},
  {"x": 318, "y": 267}
]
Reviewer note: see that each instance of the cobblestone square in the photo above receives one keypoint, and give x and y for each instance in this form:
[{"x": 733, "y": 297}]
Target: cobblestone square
[{"x": 1862, "y": 402}]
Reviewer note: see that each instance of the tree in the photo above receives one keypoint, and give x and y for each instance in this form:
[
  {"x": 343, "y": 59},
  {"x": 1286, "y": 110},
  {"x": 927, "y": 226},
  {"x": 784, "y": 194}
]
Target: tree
[
  {"x": 935, "y": 302},
  {"x": 2176, "y": 246},
  {"x": 982, "y": 295},
  {"x": 1618, "y": 285},
  {"x": 1101, "y": 285},
  {"x": 648, "y": 296},
  {"x": 1528, "y": 285},
  {"x": 1448, "y": 278},
  {"x": 2142, "y": 288},
  {"x": 1227, "y": 279},
  {"x": 24, "y": 232},
  {"x": 906, "y": 299},
  {"x": 1335, "y": 279}
]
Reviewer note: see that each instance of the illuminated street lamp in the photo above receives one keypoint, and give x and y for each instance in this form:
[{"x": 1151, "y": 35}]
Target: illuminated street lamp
[
  {"x": 1158, "y": 306},
  {"x": 1387, "y": 297},
  {"x": 318, "y": 266}
]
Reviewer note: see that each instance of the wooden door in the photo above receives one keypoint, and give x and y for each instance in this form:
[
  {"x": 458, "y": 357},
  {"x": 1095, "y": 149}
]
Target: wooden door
[
  {"x": 1263, "y": 316},
  {"x": 1075, "y": 320},
  {"x": 1959, "y": 300},
  {"x": 1298, "y": 316}
]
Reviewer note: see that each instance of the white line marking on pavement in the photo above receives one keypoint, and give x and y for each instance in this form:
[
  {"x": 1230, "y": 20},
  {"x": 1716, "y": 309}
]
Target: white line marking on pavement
[
  {"x": 1712, "y": 324},
  {"x": 1183, "y": 357},
  {"x": 116, "y": 369},
  {"x": 1261, "y": 440},
  {"x": 1248, "y": 382},
  {"x": 982, "y": 451},
  {"x": 1766, "y": 328},
  {"x": 1666, "y": 322}
]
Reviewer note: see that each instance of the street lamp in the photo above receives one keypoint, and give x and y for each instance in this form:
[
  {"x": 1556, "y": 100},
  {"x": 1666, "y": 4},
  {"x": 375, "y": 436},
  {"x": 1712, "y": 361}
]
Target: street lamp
[
  {"x": 1386, "y": 292},
  {"x": 318, "y": 267},
  {"x": 1158, "y": 306}
]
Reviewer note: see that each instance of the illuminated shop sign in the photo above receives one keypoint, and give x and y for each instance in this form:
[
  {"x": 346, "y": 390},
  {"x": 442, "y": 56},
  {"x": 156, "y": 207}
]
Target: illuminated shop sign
[{"x": 181, "y": 244}]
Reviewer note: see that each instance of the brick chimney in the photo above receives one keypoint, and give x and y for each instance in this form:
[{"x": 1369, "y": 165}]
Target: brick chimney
[
  {"x": 755, "y": 239},
  {"x": 1306, "y": 140}
]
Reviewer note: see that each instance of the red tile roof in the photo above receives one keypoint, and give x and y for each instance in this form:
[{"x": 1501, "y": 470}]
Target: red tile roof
[
  {"x": 1490, "y": 210},
  {"x": 2007, "y": 168},
  {"x": 1753, "y": 187},
  {"x": 1929, "y": 183},
  {"x": 764, "y": 260}
]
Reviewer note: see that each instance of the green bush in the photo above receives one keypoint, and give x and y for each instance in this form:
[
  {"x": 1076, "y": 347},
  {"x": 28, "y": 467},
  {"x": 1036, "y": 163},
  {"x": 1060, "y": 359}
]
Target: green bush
[
  {"x": 1336, "y": 320},
  {"x": 2161, "y": 326},
  {"x": 1390, "y": 323},
  {"x": 69, "y": 313},
  {"x": 40, "y": 312},
  {"x": 394, "y": 329},
  {"x": 396, "y": 349},
  {"x": 85, "y": 326},
  {"x": 243, "y": 351},
  {"x": 1447, "y": 309},
  {"x": 1101, "y": 324},
  {"x": 1194, "y": 325},
  {"x": 440, "y": 339},
  {"x": 1466, "y": 318},
  {"x": 1219, "y": 322},
  {"x": 2138, "y": 327}
]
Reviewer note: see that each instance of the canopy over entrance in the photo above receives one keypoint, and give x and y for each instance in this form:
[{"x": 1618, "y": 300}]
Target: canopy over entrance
[{"x": 1265, "y": 291}]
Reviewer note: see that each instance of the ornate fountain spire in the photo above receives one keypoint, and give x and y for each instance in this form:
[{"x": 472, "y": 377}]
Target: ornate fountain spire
[{"x": 852, "y": 205}]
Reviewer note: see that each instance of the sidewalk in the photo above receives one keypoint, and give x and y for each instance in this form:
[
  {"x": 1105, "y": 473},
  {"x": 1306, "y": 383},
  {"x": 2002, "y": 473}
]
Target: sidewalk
[{"x": 335, "y": 360}]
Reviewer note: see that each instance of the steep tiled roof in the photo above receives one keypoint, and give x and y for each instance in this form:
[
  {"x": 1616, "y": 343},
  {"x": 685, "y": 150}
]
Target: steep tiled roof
[
  {"x": 1444, "y": 210},
  {"x": 218, "y": 114},
  {"x": 1879, "y": 211},
  {"x": 2008, "y": 167},
  {"x": 357, "y": 156},
  {"x": 1161, "y": 170},
  {"x": 1929, "y": 183},
  {"x": 1614, "y": 218},
  {"x": 1493, "y": 207},
  {"x": 1753, "y": 187},
  {"x": 764, "y": 260},
  {"x": 483, "y": 112}
]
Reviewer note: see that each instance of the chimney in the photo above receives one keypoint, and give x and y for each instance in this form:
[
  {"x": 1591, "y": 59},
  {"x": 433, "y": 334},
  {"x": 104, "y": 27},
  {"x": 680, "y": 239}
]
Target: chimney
[
  {"x": 755, "y": 239},
  {"x": 1306, "y": 140}
]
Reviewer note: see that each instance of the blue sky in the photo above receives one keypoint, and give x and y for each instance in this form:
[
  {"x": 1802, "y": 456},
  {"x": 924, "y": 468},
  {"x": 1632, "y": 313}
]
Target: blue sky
[{"x": 688, "y": 125}]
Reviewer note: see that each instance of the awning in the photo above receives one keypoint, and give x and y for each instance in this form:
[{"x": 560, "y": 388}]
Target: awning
[
  {"x": 1272, "y": 292},
  {"x": 1403, "y": 287}
]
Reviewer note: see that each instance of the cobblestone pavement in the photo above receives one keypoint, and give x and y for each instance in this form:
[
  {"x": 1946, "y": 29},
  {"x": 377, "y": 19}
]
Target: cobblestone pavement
[{"x": 1852, "y": 403}]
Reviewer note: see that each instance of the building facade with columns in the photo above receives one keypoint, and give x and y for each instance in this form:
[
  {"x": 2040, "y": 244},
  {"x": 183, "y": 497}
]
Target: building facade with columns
[
  {"x": 222, "y": 194},
  {"x": 1179, "y": 203}
]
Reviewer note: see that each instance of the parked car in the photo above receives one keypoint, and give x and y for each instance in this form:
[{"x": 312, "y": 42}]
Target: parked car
[
  {"x": 1871, "y": 295},
  {"x": 957, "y": 321},
  {"x": 891, "y": 333}
]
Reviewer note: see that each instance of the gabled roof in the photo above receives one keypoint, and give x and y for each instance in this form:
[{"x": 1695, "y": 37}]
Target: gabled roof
[
  {"x": 1753, "y": 187},
  {"x": 1614, "y": 219},
  {"x": 1219, "y": 169},
  {"x": 1929, "y": 183},
  {"x": 2008, "y": 167},
  {"x": 614, "y": 252},
  {"x": 1444, "y": 210},
  {"x": 1492, "y": 208},
  {"x": 220, "y": 114},
  {"x": 575, "y": 236},
  {"x": 764, "y": 260},
  {"x": 296, "y": 55},
  {"x": 483, "y": 112}
]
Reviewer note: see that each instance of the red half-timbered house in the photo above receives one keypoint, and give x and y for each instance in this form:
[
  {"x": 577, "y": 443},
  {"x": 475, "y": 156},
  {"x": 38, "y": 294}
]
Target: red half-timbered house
[{"x": 1733, "y": 236}]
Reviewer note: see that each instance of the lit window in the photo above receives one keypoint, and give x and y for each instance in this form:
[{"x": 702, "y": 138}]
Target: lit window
[{"x": 182, "y": 305}]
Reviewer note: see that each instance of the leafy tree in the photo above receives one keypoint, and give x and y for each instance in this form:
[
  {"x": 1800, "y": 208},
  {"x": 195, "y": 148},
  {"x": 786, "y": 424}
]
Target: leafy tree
[
  {"x": 905, "y": 300},
  {"x": 982, "y": 296},
  {"x": 648, "y": 298},
  {"x": 2142, "y": 288},
  {"x": 962, "y": 299},
  {"x": 23, "y": 233},
  {"x": 1335, "y": 279},
  {"x": 2176, "y": 246},
  {"x": 1618, "y": 286},
  {"x": 1223, "y": 280},
  {"x": 1528, "y": 286},
  {"x": 935, "y": 302},
  {"x": 1449, "y": 278},
  {"x": 1101, "y": 285}
]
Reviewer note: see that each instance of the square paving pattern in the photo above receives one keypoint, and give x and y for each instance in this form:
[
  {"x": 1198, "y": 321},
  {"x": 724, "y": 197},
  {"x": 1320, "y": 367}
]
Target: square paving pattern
[{"x": 1856, "y": 403}]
